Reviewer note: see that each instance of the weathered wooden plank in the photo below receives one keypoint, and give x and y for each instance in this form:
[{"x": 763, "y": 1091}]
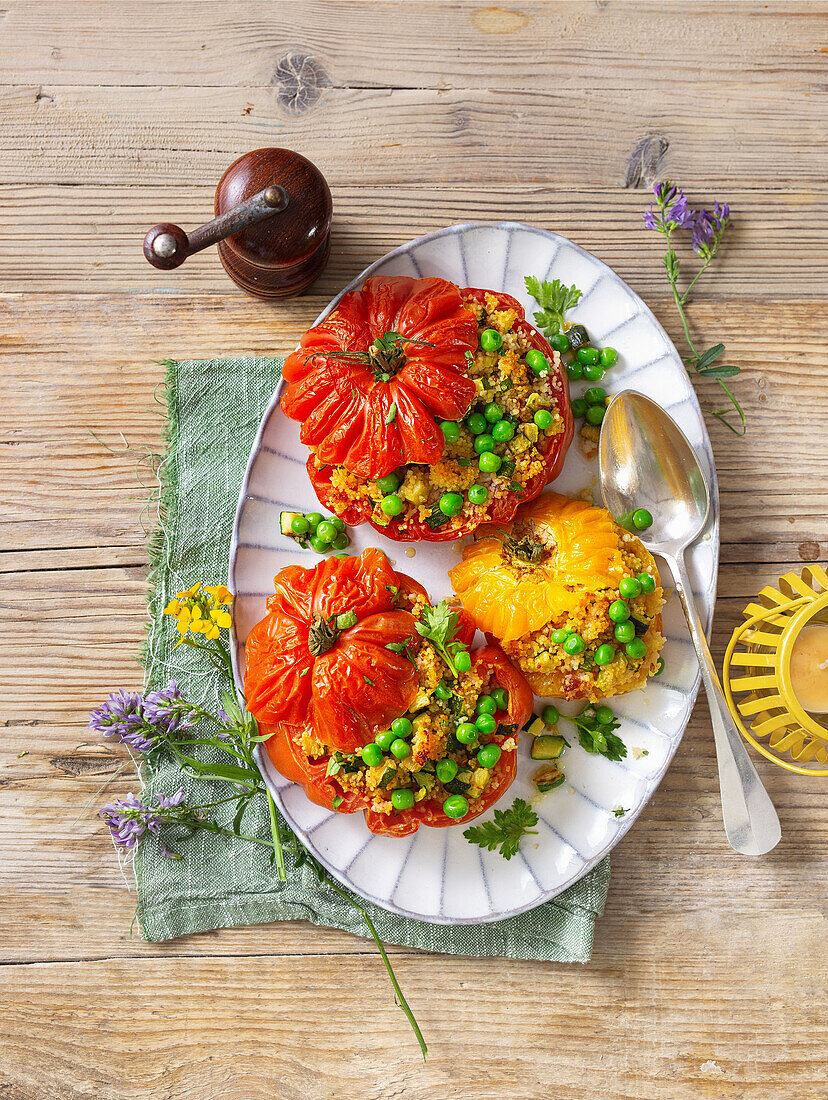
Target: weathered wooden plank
[
  {"x": 142, "y": 1028},
  {"x": 90, "y": 237},
  {"x": 579, "y": 133},
  {"x": 301, "y": 48}
]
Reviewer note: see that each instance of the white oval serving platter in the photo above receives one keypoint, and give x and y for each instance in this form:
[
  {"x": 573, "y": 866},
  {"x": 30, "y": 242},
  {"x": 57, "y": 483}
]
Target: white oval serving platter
[{"x": 437, "y": 875}]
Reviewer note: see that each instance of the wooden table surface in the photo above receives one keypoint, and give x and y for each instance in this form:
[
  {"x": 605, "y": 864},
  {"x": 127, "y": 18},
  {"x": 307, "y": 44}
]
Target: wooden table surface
[{"x": 707, "y": 978}]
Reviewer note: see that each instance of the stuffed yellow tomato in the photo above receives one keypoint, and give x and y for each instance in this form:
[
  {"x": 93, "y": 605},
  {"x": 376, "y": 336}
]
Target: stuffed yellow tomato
[
  {"x": 371, "y": 699},
  {"x": 428, "y": 409},
  {"x": 573, "y": 598}
]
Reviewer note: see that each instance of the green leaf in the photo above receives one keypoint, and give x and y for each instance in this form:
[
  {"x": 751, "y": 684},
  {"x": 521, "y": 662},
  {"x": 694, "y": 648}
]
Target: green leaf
[
  {"x": 554, "y": 299},
  {"x": 391, "y": 415},
  {"x": 505, "y": 831},
  {"x": 333, "y": 767},
  {"x": 719, "y": 370},
  {"x": 709, "y": 356},
  {"x": 438, "y": 625},
  {"x": 223, "y": 771},
  {"x": 598, "y": 737},
  {"x": 230, "y": 707}
]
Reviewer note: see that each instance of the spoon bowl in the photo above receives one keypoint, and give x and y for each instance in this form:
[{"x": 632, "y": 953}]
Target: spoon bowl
[{"x": 646, "y": 462}]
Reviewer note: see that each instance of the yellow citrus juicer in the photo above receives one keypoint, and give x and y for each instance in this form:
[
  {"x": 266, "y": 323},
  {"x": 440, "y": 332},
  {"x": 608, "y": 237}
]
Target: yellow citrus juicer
[{"x": 761, "y": 650}]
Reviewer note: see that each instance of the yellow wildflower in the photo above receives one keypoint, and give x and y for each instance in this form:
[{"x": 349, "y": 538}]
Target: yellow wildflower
[{"x": 201, "y": 609}]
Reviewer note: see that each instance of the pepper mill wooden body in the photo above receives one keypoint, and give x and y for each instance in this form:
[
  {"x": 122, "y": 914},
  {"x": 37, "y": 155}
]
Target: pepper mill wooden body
[{"x": 272, "y": 226}]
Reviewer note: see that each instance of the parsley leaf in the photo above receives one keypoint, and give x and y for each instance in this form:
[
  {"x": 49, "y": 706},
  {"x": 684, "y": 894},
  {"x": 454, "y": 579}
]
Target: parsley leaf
[
  {"x": 598, "y": 737},
  {"x": 505, "y": 831},
  {"x": 438, "y": 625},
  {"x": 619, "y": 811},
  {"x": 554, "y": 299}
]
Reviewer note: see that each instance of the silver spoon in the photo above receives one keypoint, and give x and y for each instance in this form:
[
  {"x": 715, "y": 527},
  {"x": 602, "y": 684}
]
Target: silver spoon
[{"x": 646, "y": 462}]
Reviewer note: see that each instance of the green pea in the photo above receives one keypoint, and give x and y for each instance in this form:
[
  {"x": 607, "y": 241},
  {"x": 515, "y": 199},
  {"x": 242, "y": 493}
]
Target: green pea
[
  {"x": 609, "y": 357},
  {"x": 372, "y": 755},
  {"x": 618, "y": 611},
  {"x": 456, "y": 806},
  {"x": 326, "y": 531},
  {"x": 385, "y": 739},
  {"x": 319, "y": 545},
  {"x": 341, "y": 541},
  {"x": 299, "y": 525},
  {"x": 604, "y": 715},
  {"x": 595, "y": 414},
  {"x": 537, "y": 361},
  {"x": 594, "y": 372},
  {"x": 388, "y": 484},
  {"x": 401, "y": 726},
  {"x": 595, "y": 395},
  {"x": 647, "y": 582},
  {"x": 642, "y": 519},
  {"x": 502, "y": 431},
  {"x": 462, "y": 661},
  {"x": 442, "y": 692},
  {"x": 314, "y": 519},
  {"x": 550, "y": 715},
  {"x": 559, "y": 636},
  {"x": 338, "y": 523},
  {"x": 488, "y": 755},
  {"x": 466, "y": 733},
  {"x": 493, "y": 412},
  {"x": 587, "y": 354},
  {"x": 446, "y": 770},
  {"x": 543, "y": 418},
  {"x": 605, "y": 654},
  {"x": 392, "y": 505},
  {"x": 343, "y": 555},
  {"x": 560, "y": 342},
  {"x": 624, "y": 632},
  {"x": 478, "y": 494},
  {"x": 630, "y": 587},
  {"x": 574, "y": 371},
  {"x": 450, "y": 430},
  {"x": 402, "y": 798},
  {"x": 489, "y": 462},
  {"x": 483, "y": 443},
  {"x": 636, "y": 649},
  {"x": 451, "y": 504},
  {"x": 501, "y": 698},
  {"x": 574, "y": 645},
  {"x": 579, "y": 407},
  {"x": 477, "y": 423},
  {"x": 659, "y": 668},
  {"x": 491, "y": 340},
  {"x": 486, "y": 723},
  {"x": 486, "y": 705},
  {"x": 400, "y": 748}
]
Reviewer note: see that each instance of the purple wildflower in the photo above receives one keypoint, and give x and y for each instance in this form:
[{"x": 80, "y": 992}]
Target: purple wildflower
[
  {"x": 673, "y": 211},
  {"x": 680, "y": 214},
  {"x": 129, "y": 819},
  {"x": 141, "y": 721},
  {"x": 708, "y": 228}
]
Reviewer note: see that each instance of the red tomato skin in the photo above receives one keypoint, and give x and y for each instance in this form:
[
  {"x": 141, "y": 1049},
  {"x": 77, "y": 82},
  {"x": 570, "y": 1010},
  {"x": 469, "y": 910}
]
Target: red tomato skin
[
  {"x": 490, "y": 663},
  {"x": 506, "y": 506},
  {"x": 346, "y": 411},
  {"x": 354, "y": 690}
]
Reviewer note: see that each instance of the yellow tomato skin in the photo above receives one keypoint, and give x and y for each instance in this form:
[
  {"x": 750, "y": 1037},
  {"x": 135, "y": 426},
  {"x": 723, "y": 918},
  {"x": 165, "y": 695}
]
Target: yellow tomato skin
[{"x": 511, "y": 600}]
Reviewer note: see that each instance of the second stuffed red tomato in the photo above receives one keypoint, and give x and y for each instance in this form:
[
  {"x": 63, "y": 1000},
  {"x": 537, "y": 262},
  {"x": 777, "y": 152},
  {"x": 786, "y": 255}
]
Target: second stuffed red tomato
[{"x": 428, "y": 409}]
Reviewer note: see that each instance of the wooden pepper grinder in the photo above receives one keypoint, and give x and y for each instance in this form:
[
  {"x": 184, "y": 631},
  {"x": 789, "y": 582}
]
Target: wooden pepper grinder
[{"x": 272, "y": 226}]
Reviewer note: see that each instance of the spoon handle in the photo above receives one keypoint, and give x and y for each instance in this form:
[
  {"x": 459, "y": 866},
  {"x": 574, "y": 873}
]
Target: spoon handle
[{"x": 750, "y": 820}]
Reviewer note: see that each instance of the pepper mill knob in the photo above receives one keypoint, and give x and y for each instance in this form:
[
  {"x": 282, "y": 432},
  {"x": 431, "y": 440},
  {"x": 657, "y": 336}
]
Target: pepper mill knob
[{"x": 272, "y": 226}]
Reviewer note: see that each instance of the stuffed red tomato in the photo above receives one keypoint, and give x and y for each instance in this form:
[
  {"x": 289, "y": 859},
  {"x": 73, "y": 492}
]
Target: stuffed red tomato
[
  {"x": 428, "y": 409},
  {"x": 372, "y": 700}
]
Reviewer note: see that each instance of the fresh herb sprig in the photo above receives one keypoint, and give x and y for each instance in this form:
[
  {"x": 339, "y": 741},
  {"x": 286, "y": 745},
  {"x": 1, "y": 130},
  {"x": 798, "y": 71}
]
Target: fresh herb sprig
[
  {"x": 439, "y": 625},
  {"x": 598, "y": 737},
  {"x": 554, "y": 299},
  {"x": 505, "y": 832},
  {"x": 670, "y": 213}
]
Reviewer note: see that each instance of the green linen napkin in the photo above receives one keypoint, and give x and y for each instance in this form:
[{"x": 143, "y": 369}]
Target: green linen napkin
[{"x": 214, "y": 411}]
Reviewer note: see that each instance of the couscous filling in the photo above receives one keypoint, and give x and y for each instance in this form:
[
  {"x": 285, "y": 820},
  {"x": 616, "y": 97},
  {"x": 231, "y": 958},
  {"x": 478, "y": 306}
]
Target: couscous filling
[{"x": 492, "y": 453}]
